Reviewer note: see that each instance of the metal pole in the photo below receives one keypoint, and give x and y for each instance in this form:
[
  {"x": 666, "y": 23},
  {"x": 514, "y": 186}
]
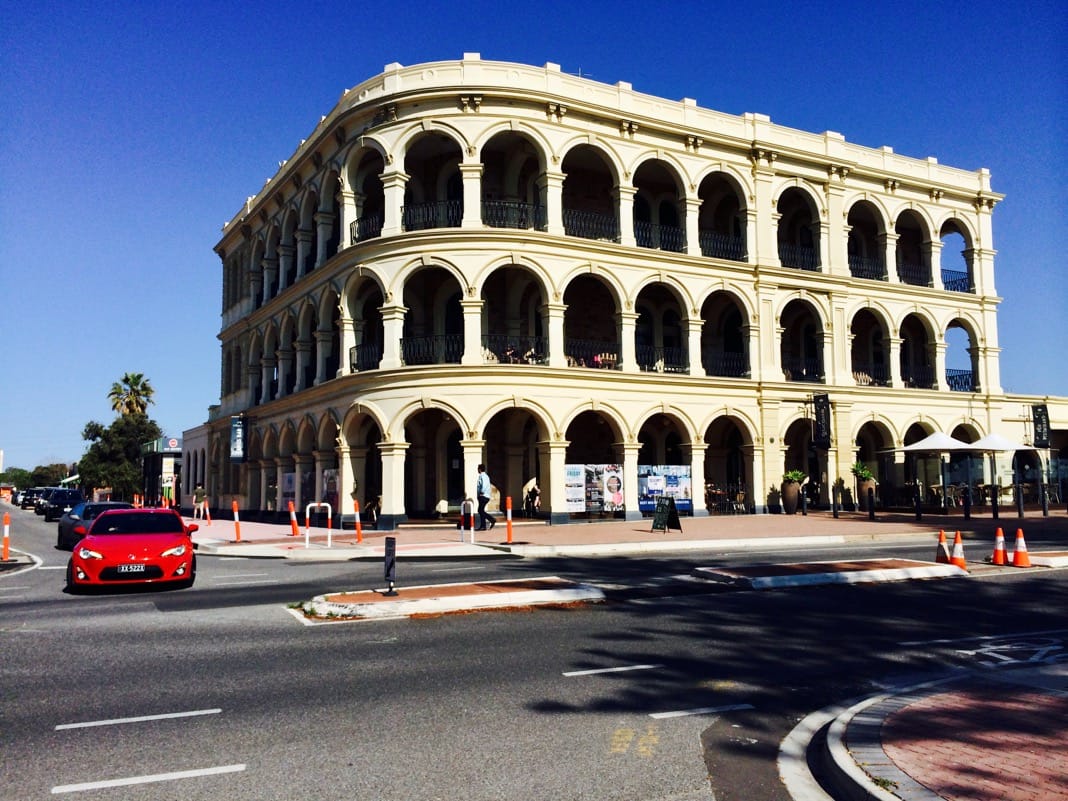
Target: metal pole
[{"x": 871, "y": 503}]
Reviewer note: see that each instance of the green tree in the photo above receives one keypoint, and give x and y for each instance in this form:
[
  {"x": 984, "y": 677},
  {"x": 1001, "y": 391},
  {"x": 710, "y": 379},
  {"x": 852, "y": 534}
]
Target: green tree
[
  {"x": 114, "y": 457},
  {"x": 131, "y": 395},
  {"x": 17, "y": 476},
  {"x": 48, "y": 475}
]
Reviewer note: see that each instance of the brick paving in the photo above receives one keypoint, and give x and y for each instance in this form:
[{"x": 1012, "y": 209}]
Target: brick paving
[{"x": 983, "y": 741}]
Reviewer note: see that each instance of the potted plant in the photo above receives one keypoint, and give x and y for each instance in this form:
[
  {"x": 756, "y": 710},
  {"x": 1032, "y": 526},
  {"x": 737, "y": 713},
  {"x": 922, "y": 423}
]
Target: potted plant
[
  {"x": 865, "y": 481},
  {"x": 791, "y": 490}
]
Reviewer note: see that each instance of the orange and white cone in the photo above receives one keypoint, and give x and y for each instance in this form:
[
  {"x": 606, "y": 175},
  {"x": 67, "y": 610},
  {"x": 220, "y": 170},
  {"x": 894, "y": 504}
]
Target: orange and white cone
[
  {"x": 999, "y": 557},
  {"x": 958, "y": 553},
  {"x": 942, "y": 554},
  {"x": 1019, "y": 556}
]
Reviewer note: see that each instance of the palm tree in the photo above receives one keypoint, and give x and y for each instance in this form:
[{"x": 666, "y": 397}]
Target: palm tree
[{"x": 131, "y": 395}]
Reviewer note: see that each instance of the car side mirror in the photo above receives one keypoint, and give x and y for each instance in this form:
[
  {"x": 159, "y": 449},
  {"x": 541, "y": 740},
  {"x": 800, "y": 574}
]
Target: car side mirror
[
  {"x": 192, "y": 527},
  {"x": 75, "y": 517},
  {"x": 81, "y": 530}
]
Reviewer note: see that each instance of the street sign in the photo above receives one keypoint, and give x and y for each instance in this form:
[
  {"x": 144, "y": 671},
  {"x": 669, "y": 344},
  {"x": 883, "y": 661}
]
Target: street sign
[{"x": 666, "y": 515}]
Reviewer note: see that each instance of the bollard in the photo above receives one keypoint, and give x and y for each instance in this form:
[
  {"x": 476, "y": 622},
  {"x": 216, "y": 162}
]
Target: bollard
[
  {"x": 1045, "y": 500},
  {"x": 919, "y": 504},
  {"x": 804, "y": 502},
  {"x": 359, "y": 526},
  {"x": 207, "y": 513},
  {"x": 391, "y": 564},
  {"x": 508, "y": 516},
  {"x": 994, "y": 501},
  {"x": 7, "y": 538},
  {"x": 967, "y": 501},
  {"x": 237, "y": 523},
  {"x": 871, "y": 503},
  {"x": 293, "y": 525},
  {"x": 834, "y": 500}
]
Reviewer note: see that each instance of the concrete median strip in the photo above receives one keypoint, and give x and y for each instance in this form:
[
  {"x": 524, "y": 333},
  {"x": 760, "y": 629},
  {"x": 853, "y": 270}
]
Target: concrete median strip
[
  {"x": 762, "y": 577},
  {"x": 449, "y": 598}
]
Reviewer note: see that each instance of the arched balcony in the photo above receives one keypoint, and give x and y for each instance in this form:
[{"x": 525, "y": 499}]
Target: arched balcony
[
  {"x": 869, "y": 351},
  {"x": 657, "y": 221},
  {"x": 801, "y": 348},
  {"x": 799, "y": 231},
  {"x": 865, "y": 254},
  {"x": 434, "y": 193},
  {"x": 724, "y": 337},
  {"x": 589, "y": 198},
  {"x": 913, "y": 250},
  {"x": 721, "y": 220},
  {"x": 659, "y": 338},
  {"x": 917, "y": 354},
  {"x": 512, "y": 193}
]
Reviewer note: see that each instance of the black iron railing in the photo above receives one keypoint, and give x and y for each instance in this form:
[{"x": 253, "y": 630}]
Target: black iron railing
[
  {"x": 960, "y": 380},
  {"x": 914, "y": 274},
  {"x": 439, "y": 349},
  {"x": 365, "y": 357},
  {"x": 871, "y": 375},
  {"x": 726, "y": 364},
  {"x": 365, "y": 228},
  {"x": 590, "y": 225},
  {"x": 504, "y": 349},
  {"x": 722, "y": 246},
  {"x": 661, "y": 360},
  {"x": 659, "y": 237},
  {"x": 513, "y": 214},
  {"x": 867, "y": 267},
  {"x": 799, "y": 257},
  {"x": 917, "y": 376},
  {"x": 592, "y": 353},
  {"x": 807, "y": 370},
  {"x": 956, "y": 281},
  {"x": 440, "y": 214}
]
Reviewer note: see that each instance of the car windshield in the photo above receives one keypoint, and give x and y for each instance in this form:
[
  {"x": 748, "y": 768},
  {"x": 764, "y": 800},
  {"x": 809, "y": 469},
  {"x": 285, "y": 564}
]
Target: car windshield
[
  {"x": 137, "y": 524},
  {"x": 91, "y": 510}
]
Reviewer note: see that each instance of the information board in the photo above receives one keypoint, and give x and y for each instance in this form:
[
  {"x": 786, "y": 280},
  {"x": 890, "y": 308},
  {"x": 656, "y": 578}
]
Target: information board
[{"x": 666, "y": 515}]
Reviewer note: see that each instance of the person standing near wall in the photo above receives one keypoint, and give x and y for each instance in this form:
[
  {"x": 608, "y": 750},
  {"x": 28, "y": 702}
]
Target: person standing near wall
[
  {"x": 482, "y": 492},
  {"x": 200, "y": 499}
]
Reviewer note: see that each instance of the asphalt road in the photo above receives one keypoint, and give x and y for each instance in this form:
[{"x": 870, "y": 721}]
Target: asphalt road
[{"x": 670, "y": 690}]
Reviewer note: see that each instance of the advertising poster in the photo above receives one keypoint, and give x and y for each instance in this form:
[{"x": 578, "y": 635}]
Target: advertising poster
[
  {"x": 575, "y": 487},
  {"x": 330, "y": 494},
  {"x": 594, "y": 488},
  {"x": 289, "y": 489},
  {"x": 613, "y": 488},
  {"x": 664, "y": 479}
]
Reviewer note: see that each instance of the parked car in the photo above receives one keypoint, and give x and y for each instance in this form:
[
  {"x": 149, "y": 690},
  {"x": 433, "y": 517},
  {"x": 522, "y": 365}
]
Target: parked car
[
  {"x": 42, "y": 499},
  {"x": 61, "y": 501},
  {"x": 133, "y": 546},
  {"x": 29, "y": 497},
  {"x": 83, "y": 513}
]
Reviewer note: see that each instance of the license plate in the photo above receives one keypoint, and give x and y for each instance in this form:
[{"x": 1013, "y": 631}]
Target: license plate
[{"x": 131, "y": 568}]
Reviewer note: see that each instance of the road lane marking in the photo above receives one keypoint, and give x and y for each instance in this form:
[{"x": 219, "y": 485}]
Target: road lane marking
[
  {"x": 986, "y": 637},
  {"x": 9, "y": 589},
  {"x": 623, "y": 669},
  {"x": 141, "y": 719},
  {"x": 707, "y": 710},
  {"x": 52, "y": 567},
  {"x": 244, "y": 583},
  {"x": 157, "y": 777}
]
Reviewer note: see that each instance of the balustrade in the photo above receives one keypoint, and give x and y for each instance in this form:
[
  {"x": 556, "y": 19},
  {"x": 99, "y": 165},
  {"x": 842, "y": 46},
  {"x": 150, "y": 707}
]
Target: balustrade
[
  {"x": 956, "y": 281},
  {"x": 366, "y": 356},
  {"x": 659, "y": 237},
  {"x": 726, "y": 364},
  {"x": 365, "y": 228},
  {"x": 867, "y": 267},
  {"x": 439, "y": 214},
  {"x": 592, "y": 353},
  {"x": 661, "y": 360},
  {"x": 914, "y": 274},
  {"x": 513, "y": 214},
  {"x": 504, "y": 349},
  {"x": 960, "y": 380},
  {"x": 799, "y": 257},
  {"x": 722, "y": 246},
  {"x": 438, "y": 349},
  {"x": 590, "y": 225}
]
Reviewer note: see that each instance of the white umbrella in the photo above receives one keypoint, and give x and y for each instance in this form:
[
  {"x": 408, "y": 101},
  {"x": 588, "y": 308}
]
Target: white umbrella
[
  {"x": 937, "y": 443},
  {"x": 996, "y": 442}
]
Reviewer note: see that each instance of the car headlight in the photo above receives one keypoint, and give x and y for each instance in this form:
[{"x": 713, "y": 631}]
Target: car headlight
[
  {"x": 178, "y": 550},
  {"x": 86, "y": 553}
]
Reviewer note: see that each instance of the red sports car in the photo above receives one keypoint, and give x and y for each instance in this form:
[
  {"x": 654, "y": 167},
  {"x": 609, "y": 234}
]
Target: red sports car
[{"x": 133, "y": 546}]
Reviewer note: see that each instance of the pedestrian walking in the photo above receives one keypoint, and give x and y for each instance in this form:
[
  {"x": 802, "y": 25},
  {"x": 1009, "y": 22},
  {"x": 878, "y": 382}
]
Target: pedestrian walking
[
  {"x": 482, "y": 491},
  {"x": 200, "y": 501}
]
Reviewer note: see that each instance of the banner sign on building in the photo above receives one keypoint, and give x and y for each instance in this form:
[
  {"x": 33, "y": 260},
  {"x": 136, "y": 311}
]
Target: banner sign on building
[
  {"x": 1040, "y": 416},
  {"x": 237, "y": 439},
  {"x": 657, "y": 481},
  {"x": 821, "y": 435}
]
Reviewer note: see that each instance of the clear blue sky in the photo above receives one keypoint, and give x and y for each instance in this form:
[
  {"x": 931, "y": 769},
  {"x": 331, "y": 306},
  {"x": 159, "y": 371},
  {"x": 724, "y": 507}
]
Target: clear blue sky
[{"x": 130, "y": 133}]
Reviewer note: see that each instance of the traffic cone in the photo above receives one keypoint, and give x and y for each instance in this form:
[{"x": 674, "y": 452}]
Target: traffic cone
[
  {"x": 998, "y": 558},
  {"x": 1020, "y": 557},
  {"x": 958, "y": 553},
  {"x": 942, "y": 554}
]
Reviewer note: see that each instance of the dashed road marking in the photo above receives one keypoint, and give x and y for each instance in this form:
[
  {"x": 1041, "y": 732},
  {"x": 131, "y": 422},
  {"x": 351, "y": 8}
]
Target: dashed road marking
[
  {"x": 622, "y": 669},
  {"x": 156, "y": 777},
  {"x": 705, "y": 710},
  {"x": 139, "y": 719}
]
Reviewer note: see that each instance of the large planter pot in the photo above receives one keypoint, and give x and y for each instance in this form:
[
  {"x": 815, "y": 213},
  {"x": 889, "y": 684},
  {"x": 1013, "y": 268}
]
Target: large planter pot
[
  {"x": 862, "y": 493},
  {"x": 791, "y": 495}
]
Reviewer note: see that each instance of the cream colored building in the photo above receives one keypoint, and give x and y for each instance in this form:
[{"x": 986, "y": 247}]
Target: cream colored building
[{"x": 473, "y": 261}]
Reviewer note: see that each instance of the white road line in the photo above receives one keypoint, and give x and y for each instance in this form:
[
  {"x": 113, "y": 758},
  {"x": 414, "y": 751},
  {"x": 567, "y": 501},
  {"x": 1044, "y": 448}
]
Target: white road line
[
  {"x": 52, "y": 567},
  {"x": 986, "y": 638},
  {"x": 141, "y": 719},
  {"x": 157, "y": 777},
  {"x": 9, "y": 589},
  {"x": 623, "y": 669},
  {"x": 244, "y": 583},
  {"x": 707, "y": 710}
]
